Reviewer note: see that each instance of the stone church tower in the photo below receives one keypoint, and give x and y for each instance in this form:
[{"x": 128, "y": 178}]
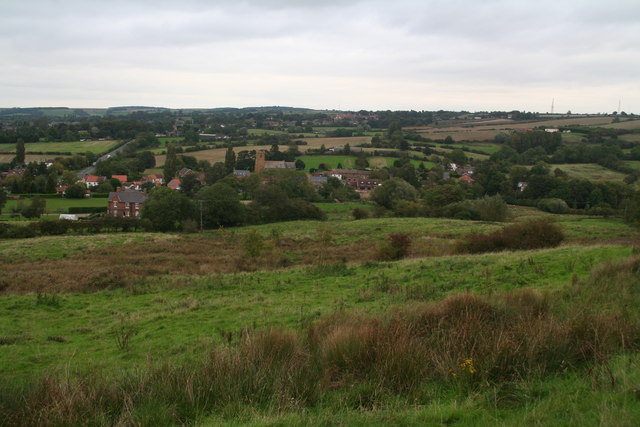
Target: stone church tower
[{"x": 260, "y": 161}]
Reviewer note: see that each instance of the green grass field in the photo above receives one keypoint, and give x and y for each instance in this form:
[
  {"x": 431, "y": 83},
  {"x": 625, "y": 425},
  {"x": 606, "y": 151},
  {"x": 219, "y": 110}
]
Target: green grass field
[
  {"x": 163, "y": 293},
  {"x": 348, "y": 162},
  {"x": 590, "y": 171},
  {"x": 59, "y": 205},
  {"x": 75, "y": 147},
  {"x": 632, "y": 164}
]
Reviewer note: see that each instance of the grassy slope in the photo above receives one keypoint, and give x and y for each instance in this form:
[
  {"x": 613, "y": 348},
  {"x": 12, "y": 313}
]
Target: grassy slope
[{"x": 180, "y": 316}]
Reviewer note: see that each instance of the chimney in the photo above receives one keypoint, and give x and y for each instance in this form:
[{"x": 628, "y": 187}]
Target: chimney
[{"x": 118, "y": 189}]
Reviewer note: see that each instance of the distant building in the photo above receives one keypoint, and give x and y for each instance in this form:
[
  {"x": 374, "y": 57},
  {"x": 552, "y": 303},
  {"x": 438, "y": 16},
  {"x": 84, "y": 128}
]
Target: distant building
[
  {"x": 92, "y": 181},
  {"x": 126, "y": 203},
  {"x": 363, "y": 185},
  {"x": 175, "y": 184},
  {"x": 241, "y": 173},
  {"x": 263, "y": 164},
  {"x": 466, "y": 178},
  {"x": 121, "y": 178}
]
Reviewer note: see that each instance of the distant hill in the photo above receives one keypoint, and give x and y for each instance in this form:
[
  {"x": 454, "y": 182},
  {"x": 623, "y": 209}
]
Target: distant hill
[{"x": 65, "y": 112}]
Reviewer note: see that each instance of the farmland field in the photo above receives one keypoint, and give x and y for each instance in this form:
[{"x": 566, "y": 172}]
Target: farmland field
[
  {"x": 348, "y": 162},
  {"x": 217, "y": 154},
  {"x": 96, "y": 147},
  {"x": 7, "y": 158},
  {"x": 590, "y": 171}
]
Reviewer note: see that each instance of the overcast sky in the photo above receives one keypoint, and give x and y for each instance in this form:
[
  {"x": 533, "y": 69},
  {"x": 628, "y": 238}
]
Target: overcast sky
[{"x": 403, "y": 54}]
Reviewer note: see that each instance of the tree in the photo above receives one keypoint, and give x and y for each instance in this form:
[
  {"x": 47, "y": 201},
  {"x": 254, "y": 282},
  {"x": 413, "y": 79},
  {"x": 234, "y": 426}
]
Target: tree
[
  {"x": 458, "y": 156},
  {"x": 230, "y": 160},
  {"x": 189, "y": 184},
  {"x": 20, "y": 152},
  {"x": 166, "y": 209},
  {"x": 392, "y": 190},
  {"x": 448, "y": 140},
  {"x": 361, "y": 161},
  {"x": 75, "y": 191},
  {"x": 146, "y": 160},
  {"x": 147, "y": 140},
  {"x": 221, "y": 206},
  {"x": 171, "y": 165},
  {"x": 104, "y": 187},
  {"x": 215, "y": 173},
  {"x": 3, "y": 198},
  {"x": 35, "y": 209},
  {"x": 52, "y": 183}
]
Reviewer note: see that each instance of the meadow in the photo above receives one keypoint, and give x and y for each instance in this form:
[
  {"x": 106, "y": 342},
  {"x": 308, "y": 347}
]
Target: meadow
[
  {"x": 59, "y": 204},
  {"x": 590, "y": 171},
  {"x": 163, "y": 329}
]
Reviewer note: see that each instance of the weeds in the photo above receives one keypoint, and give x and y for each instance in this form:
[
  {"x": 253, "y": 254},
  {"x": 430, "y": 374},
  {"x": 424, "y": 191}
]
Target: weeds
[{"x": 50, "y": 300}]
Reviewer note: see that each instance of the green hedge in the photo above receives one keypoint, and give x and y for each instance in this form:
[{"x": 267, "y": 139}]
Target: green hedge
[{"x": 86, "y": 209}]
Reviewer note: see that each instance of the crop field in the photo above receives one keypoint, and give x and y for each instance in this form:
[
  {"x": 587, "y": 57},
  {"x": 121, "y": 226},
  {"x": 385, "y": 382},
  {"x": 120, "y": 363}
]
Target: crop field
[
  {"x": 590, "y": 171},
  {"x": 59, "y": 205},
  {"x": 632, "y": 137},
  {"x": 625, "y": 124},
  {"x": 217, "y": 154},
  {"x": 74, "y": 147},
  {"x": 476, "y": 156},
  {"x": 485, "y": 147},
  {"x": 348, "y": 162},
  {"x": 462, "y": 134},
  {"x": 7, "y": 158}
]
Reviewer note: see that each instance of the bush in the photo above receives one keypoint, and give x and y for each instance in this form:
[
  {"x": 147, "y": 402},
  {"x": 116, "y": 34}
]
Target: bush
[
  {"x": 528, "y": 235},
  {"x": 396, "y": 248},
  {"x": 492, "y": 208},
  {"x": 86, "y": 209},
  {"x": 53, "y": 227},
  {"x": 407, "y": 208},
  {"x": 359, "y": 213},
  {"x": 556, "y": 206}
]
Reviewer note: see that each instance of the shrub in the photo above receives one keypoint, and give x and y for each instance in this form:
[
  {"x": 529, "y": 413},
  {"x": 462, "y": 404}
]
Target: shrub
[
  {"x": 528, "y": 235},
  {"x": 407, "y": 208},
  {"x": 54, "y": 227},
  {"x": 396, "y": 248},
  {"x": 492, "y": 208},
  {"x": 556, "y": 206},
  {"x": 359, "y": 213}
]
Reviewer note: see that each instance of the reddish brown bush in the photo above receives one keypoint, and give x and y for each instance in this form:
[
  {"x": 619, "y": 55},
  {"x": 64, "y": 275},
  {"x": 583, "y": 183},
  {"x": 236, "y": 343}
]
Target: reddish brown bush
[{"x": 527, "y": 235}]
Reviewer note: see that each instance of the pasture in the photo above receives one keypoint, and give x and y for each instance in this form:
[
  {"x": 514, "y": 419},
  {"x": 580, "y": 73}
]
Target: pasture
[
  {"x": 156, "y": 319},
  {"x": 590, "y": 171},
  {"x": 59, "y": 204}
]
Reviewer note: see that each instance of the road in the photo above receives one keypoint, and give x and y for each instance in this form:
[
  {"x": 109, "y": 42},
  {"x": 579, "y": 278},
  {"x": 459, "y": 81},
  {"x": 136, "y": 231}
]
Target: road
[{"x": 91, "y": 169}]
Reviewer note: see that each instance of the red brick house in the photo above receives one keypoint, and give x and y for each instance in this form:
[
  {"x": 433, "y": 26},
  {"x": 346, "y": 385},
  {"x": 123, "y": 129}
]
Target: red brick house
[
  {"x": 126, "y": 203},
  {"x": 363, "y": 185}
]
